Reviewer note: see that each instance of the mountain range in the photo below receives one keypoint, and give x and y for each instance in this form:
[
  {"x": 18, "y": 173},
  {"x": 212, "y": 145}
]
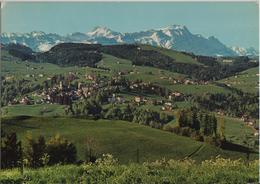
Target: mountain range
[{"x": 175, "y": 37}]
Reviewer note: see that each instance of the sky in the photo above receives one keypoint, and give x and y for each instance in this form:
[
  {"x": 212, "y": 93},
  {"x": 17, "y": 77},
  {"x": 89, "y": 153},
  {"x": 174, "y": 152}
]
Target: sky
[{"x": 233, "y": 23}]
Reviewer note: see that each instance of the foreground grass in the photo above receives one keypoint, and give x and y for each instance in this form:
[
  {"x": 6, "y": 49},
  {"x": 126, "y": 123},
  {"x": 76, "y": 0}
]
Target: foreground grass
[{"x": 107, "y": 170}]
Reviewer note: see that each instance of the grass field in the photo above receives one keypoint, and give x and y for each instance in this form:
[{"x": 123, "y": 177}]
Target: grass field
[
  {"x": 197, "y": 89},
  {"x": 246, "y": 81},
  {"x": 236, "y": 131},
  {"x": 34, "y": 110},
  {"x": 121, "y": 139}
]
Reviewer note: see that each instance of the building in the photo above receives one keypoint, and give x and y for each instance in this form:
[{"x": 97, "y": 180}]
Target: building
[
  {"x": 138, "y": 99},
  {"x": 167, "y": 106},
  {"x": 25, "y": 101}
]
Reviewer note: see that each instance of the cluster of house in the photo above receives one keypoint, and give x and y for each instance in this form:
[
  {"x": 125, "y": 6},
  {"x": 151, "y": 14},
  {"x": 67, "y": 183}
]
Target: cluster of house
[
  {"x": 193, "y": 82},
  {"x": 165, "y": 105},
  {"x": 185, "y": 81}
]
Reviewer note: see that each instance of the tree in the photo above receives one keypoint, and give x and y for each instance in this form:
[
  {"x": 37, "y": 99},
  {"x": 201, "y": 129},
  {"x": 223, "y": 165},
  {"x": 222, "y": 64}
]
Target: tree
[
  {"x": 35, "y": 151},
  {"x": 206, "y": 122},
  {"x": 92, "y": 149},
  {"x": 183, "y": 120},
  {"x": 128, "y": 113},
  {"x": 214, "y": 125},
  {"x": 61, "y": 150},
  {"x": 11, "y": 151},
  {"x": 195, "y": 121},
  {"x": 114, "y": 113}
]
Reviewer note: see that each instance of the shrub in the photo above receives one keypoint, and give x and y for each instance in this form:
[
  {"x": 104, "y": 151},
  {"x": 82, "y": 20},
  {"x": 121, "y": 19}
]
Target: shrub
[
  {"x": 107, "y": 170},
  {"x": 61, "y": 150}
]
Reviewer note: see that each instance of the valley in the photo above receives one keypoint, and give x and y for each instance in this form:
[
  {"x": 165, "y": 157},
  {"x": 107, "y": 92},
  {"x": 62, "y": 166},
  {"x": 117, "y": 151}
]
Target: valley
[{"x": 133, "y": 97}]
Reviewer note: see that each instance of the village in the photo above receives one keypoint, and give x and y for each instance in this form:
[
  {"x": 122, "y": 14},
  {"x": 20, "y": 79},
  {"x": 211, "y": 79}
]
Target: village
[{"x": 65, "y": 90}]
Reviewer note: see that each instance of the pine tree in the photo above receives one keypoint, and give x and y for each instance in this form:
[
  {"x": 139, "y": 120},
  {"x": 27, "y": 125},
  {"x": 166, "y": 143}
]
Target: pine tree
[
  {"x": 206, "y": 125},
  {"x": 195, "y": 121},
  {"x": 11, "y": 151},
  {"x": 183, "y": 119}
]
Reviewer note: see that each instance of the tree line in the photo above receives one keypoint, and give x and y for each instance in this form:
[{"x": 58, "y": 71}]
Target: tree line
[
  {"x": 93, "y": 108},
  {"x": 36, "y": 152}
]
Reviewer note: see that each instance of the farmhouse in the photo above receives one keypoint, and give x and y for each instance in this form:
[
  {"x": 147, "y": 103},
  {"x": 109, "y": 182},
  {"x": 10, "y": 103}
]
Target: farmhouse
[{"x": 167, "y": 106}]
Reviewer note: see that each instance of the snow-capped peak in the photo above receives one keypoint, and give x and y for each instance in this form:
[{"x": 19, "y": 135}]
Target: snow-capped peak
[
  {"x": 176, "y": 37},
  {"x": 37, "y": 33},
  {"x": 174, "y": 30},
  {"x": 102, "y": 32},
  {"x": 244, "y": 51}
]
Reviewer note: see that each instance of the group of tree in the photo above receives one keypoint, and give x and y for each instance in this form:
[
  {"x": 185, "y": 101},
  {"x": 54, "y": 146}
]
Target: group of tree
[
  {"x": 20, "y": 51},
  {"x": 72, "y": 54},
  {"x": 205, "y": 123},
  {"x": 201, "y": 126},
  {"x": 16, "y": 88},
  {"x": 87, "y": 107},
  {"x": 231, "y": 104},
  {"x": 36, "y": 152},
  {"x": 93, "y": 108}
]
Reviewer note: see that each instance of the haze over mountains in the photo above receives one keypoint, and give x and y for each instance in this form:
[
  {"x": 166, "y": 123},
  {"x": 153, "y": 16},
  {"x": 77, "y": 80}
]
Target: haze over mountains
[{"x": 176, "y": 37}]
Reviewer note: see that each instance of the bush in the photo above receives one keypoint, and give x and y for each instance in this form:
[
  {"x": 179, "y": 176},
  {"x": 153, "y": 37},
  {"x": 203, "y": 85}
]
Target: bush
[
  {"x": 186, "y": 131},
  {"x": 61, "y": 150},
  {"x": 197, "y": 136},
  {"x": 168, "y": 128},
  {"x": 107, "y": 170},
  {"x": 177, "y": 130}
]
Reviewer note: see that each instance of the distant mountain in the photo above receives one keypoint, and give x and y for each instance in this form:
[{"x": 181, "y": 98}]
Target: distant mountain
[
  {"x": 245, "y": 51},
  {"x": 172, "y": 37}
]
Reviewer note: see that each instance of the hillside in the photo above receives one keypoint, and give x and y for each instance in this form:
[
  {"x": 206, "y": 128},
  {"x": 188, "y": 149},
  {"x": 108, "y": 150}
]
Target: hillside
[
  {"x": 198, "y": 67},
  {"x": 118, "y": 84},
  {"x": 118, "y": 138},
  {"x": 246, "y": 81}
]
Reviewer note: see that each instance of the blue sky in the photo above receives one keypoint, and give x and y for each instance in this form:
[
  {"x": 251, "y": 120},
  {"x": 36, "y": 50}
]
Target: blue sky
[{"x": 232, "y": 23}]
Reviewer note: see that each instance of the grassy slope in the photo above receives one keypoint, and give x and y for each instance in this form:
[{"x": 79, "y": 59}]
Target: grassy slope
[
  {"x": 19, "y": 70},
  {"x": 177, "y": 56},
  {"x": 245, "y": 81},
  {"x": 155, "y": 75},
  {"x": 118, "y": 138},
  {"x": 236, "y": 130}
]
